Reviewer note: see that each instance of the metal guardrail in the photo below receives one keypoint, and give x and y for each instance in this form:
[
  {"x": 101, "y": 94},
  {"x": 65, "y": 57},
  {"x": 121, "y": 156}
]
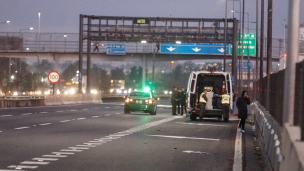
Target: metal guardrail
[{"x": 22, "y": 97}]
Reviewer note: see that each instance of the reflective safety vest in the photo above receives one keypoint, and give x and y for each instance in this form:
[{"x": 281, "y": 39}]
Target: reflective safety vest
[
  {"x": 225, "y": 99},
  {"x": 202, "y": 100}
]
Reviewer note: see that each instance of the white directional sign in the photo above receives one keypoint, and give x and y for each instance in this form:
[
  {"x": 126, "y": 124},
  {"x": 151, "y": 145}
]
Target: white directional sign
[{"x": 53, "y": 77}]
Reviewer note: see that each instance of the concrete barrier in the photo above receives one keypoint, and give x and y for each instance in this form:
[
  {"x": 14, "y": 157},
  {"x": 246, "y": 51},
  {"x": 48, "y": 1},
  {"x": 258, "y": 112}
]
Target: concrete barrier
[{"x": 54, "y": 100}]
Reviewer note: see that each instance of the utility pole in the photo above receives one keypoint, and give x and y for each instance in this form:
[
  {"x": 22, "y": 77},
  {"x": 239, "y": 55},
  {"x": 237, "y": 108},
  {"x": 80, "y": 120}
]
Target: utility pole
[
  {"x": 225, "y": 39},
  {"x": 256, "y": 48},
  {"x": 262, "y": 39},
  {"x": 269, "y": 52},
  {"x": 241, "y": 68}
]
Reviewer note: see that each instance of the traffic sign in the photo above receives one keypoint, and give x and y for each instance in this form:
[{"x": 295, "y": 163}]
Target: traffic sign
[
  {"x": 54, "y": 77},
  {"x": 195, "y": 48},
  {"x": 245, "y": 66},
  {"x": 249, "y": 42},
  {"x": 116, "y": 49}
]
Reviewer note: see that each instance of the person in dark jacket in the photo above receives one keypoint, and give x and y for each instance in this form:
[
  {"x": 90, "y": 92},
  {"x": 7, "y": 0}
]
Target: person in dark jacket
[{"x": 241, "y": 104}]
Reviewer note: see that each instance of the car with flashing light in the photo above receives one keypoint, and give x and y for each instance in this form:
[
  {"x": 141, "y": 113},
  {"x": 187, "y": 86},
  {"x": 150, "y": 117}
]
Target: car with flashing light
[
  {"x": 140, "y": 101},
  {"x": 215, "y": 82}
]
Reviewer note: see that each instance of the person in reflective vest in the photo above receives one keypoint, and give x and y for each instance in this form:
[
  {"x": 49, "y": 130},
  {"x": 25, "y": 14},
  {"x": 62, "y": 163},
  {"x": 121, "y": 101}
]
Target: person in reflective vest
[
  {"x": 225, "y": 105},
  {"x": 203, "y": 101}
]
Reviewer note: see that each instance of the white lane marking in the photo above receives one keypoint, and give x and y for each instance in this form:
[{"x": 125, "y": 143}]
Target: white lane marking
[
  {"x": 238, "y": 157},
  {"x": 196, "y": 152},
  {"x": 96, "y": 108},
  {"x": 104, "y": 139},
  {"x": 60, "y": 111},
  {"x": 108, "y": 114},
  {"x": 5, "y": 116},
  {"x": 22, "y": 167},
  {"x": 0, "y": 131},
  {"x": 164, "y": 105},
  {"x": 81, "y": 118},
  {"x": 117, "y": 113},
  {"x": 85, "y": 109},
  {"x": 54, "y": 155},
  {"x": 27, "y": 114},
  {"x": 95, "y": 116},
  {"x": 34, "y": 162},
  {"x": 200, "y": 124},
  {"x": 80, "y": 148},
  {"x": 44, "y": 112},
  {"x": 182, "y": 137},
  {"x": 22, "y": 127},
  {"x": 65, "y": 121},
  {"x": 45, "y": 159},
  {"x": 11, "y": 170},
  {"x": 71, "y": 150},
  {"x": 46, "y": 124},
  {"x": 73, "y": 110},
  {"x": 59, "y": 153},
  {"x": 108, "y": 107}
]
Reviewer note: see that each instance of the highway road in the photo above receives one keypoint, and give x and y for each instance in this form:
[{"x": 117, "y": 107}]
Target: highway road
[{"x": 99, "y": 137}]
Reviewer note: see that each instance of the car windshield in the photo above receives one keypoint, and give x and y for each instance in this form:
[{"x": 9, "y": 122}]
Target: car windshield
[{"x": 142, "y": 94}]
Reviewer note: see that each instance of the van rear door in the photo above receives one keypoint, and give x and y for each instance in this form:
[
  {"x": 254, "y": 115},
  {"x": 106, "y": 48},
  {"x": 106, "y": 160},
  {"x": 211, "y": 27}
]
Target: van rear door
[{"x": 229, "y": 89}]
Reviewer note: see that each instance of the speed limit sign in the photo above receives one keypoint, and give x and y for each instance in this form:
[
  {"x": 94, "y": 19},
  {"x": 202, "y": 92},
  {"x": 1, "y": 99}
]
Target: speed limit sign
[{"x": 53, "y": 77}]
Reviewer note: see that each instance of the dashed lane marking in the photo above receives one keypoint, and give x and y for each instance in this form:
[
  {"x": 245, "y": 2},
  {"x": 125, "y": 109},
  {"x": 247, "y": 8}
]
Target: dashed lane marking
[
  {"x": 95, "y": 116},
  {"x": 199, "y": 124},
  {"x": 44, "y": 159},
  {"x": 73, "y": 110},
  {"x": 5, "y": 116},
  {"x": 27, "y": 114},
  {"x": 85, "y": 109},
  {"x": 45, "y": 124},
  {"x": 96, "y": 108},
  {"x": 23, "y": 127},
  {"x": 44, "y": 112},
  {"x": 182, "y": 137},
  {"x": 108, "y": 107},
  {"x": 60, "y": 111},
  {"x": 81, "y": 118},
  {"x": 66, "y": 121},
  {"x": 117, "y": 113},
  {"x": 54, "y": 156},
  {"x": 108, "y": 114}
]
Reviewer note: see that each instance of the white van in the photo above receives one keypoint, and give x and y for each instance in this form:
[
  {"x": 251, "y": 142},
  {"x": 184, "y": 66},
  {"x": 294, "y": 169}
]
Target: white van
[{"x": 215, "y": 83}]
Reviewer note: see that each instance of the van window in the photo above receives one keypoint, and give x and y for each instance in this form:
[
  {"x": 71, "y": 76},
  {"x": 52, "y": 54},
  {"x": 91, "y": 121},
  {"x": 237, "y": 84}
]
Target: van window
[
  {"x": 192, "y": 85},
  {"x": 228, "y": 84}
]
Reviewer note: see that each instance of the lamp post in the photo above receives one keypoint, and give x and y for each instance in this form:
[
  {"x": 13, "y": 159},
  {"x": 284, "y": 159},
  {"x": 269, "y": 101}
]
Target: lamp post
[
  {"x": 65, "y": 36},
  {"x": 225, "y": 39},
  {"x": 5, "y": 22},
  {"x": 31, "y": 28}
]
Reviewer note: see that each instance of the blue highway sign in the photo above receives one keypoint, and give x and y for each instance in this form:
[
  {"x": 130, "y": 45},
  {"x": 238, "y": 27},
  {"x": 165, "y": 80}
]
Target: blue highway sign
[
  {"x": 195, "y": 48},
  {"x": 245, "y": 66},
  {"x": 116, "y": 49}
]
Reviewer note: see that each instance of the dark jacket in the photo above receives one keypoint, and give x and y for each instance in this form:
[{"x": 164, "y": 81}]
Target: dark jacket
[
  {"x": 241, "y": 104},
  {"x": 183, "y": 97}
]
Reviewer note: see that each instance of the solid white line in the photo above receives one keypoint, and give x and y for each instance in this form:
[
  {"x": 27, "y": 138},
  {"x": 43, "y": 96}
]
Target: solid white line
[
  {"x": 238, "y": 162},
  {"x": 6, "y": 115},
  {"x": 71, "y": 150},
  {"x": 66, "y": 121},
  {"x": 80, "y": 118},
  {"x": 181, "y": 137},
  {"x": 46, "y": 124},
  {"x": 27, "y": 114},
  {"x": 22, "y": 167},
  {"x": 44, "y": 112},
  {"x": 45, "y": 159},
  {"x": 22, "y": 127},
  {"x": 54, "y": 156},
  {"x": 95, "y": 116},
  {"x": 200, "y": 124},
  {"x": 34, "y": 162}
]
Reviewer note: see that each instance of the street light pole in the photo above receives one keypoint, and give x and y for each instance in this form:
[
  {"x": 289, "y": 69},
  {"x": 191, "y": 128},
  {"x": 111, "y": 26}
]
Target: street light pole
[
  {"x": 225, "y": 39},
  {"x": 262, "y": 40},
  {"x": 242, "y": 58},
  {"x": 269, "y": 53},
  {"x": 256, "y": 48}
]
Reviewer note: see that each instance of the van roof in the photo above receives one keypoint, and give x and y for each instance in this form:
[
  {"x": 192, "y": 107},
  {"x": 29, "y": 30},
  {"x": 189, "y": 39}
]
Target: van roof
[{"x": 208, "y": 72}]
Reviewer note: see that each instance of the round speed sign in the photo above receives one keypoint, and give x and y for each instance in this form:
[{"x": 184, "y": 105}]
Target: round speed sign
[{"x": 53, "y": 77}]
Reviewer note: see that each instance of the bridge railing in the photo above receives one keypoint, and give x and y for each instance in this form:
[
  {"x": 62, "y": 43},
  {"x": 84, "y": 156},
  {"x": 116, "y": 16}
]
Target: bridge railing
[{"x": 69, "y": 42}]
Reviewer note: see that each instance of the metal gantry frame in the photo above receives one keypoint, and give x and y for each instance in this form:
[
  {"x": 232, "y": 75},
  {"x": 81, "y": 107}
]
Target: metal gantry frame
[{"x": 154, "y": 30}]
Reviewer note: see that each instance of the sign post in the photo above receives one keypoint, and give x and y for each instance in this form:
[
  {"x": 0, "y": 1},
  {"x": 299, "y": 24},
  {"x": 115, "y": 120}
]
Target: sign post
[{"x": 54, "y": 77}]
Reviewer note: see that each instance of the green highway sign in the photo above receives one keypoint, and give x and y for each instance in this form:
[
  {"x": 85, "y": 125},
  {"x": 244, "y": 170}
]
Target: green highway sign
[{"x": 249, "y": 42}]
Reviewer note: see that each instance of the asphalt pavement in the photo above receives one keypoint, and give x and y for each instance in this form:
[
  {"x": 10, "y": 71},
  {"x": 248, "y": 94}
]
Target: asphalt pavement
[{"x": 95, "y": 137}]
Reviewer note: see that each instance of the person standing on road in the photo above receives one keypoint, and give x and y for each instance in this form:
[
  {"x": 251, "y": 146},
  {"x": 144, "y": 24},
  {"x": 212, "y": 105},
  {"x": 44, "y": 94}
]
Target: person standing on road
[
  {"x": 203, "y": 101},
  {"x": 225, "y": 105},
  {"x": 183, "y": 101},
  {"x": 96, "y": 46},
  {"x": 174, "y": 97},
  {"x": 178, "y": 101},
  {"x": 241, "y": 104}
]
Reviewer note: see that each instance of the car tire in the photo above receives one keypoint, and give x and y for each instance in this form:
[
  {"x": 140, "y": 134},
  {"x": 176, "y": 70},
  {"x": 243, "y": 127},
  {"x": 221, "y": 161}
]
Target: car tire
[
  {"x": 153, "y": 112},
  {"x": 126, "y": 111}
]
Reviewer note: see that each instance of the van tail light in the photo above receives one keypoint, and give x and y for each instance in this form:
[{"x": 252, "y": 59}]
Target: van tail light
[{"x": 193, "y": 112}]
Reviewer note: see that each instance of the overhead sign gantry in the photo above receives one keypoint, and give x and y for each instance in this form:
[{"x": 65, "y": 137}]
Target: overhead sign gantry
[{"x": 153, "y": 29}]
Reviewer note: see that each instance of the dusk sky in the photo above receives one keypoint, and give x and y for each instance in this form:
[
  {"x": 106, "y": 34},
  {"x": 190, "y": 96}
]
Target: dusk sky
[{"x": 62, "y": 16}]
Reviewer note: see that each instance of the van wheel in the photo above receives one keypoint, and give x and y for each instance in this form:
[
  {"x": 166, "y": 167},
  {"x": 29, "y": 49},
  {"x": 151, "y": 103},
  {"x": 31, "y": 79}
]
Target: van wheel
[{"x": 193, "y": 117}]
